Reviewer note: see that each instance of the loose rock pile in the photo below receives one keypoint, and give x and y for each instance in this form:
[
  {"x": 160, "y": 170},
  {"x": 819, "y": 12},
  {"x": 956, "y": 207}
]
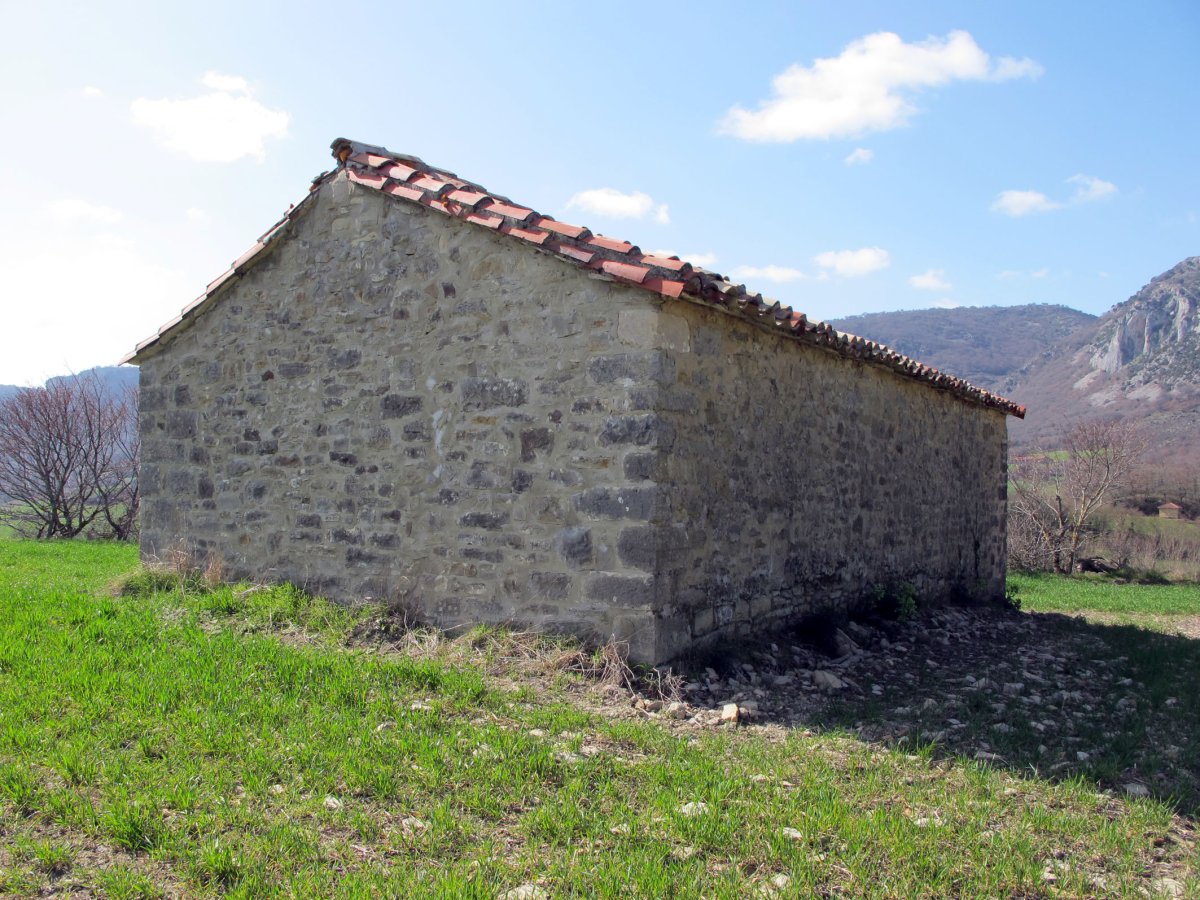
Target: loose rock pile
[{"x": 1026, "y": 691}]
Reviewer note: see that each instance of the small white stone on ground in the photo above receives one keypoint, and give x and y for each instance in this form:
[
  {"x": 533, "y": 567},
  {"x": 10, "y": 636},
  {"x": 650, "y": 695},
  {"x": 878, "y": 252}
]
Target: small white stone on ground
[
  {"x": 792, "y": 834},
  {"x": 827, "y": 680},
  {"x": 695, "y": 808},
  {"x": 1167, "y": 887},
  {"x": 729, "y": 712},
  {"x": 524, "y": 892},
  {"x": 1133, "y": 789},
  {"x": 677, "y": 710},
  {"x": 773, "y": 885},
  {"x": 333, "y": 803}
]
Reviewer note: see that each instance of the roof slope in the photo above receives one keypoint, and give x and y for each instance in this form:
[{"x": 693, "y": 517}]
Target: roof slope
[{"x": 410, "y": 179}]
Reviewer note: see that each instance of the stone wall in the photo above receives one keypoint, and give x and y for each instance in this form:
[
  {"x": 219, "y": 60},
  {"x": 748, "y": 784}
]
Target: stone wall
[
  {"x": 802, "y": 480},
  {"x": 397, "y": 405}
]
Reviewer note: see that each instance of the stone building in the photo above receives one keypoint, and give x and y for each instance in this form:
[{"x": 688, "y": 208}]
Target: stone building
[
  {"x": 1170, "y": 510},
  {"x": 414, "y": 390}
]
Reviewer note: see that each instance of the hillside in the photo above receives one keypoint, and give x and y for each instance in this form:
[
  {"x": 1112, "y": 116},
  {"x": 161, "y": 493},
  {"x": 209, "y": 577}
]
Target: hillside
[
  {"x": 116, "y": 378},
  {"x": 1139, "y": 363},
  {"x": 985, "y": 345}
]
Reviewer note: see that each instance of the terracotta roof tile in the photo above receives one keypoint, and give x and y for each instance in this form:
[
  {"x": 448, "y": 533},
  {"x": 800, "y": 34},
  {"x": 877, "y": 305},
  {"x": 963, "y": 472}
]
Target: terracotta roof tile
[
  {"x": 485, "y": 219},
  {"x": 398, "y": 171},
  {"x": 367, "y": 177},
  {"x": 625, "y": 271},
  {"x": 576, "y": 253},
  {"x": 673, "y": 263},
  {"x": 502, "y": 208},
  {"x": 608, "y": 243},
  {"x": 411, "y": 179},
  {"x": 467, "y": 197},
  {"x": 403, "y": 190},
  {"x": 534, "y": 237},
  {"x": 571, "y": 231}
]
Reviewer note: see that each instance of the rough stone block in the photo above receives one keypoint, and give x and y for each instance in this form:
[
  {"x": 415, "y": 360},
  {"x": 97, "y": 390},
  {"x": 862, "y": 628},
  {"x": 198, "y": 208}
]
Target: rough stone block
[
  {"x": 395, "y": 406},
  {"x": 550, "y": 585},
  {"x": 489, "y": 393},
  {"x": 640, "y": 466},
  {"x": 535, "y": 440},
  {"x": 655, "y": 548},
  {"x": 622, "y": 590},
  {"x": 575, "y": 545},
  {"x": 642, "y": 431},
  {"x": 618, "y": 503},
  {"x": 650, "y": 366},
  {"x": 486, "y": 520}
]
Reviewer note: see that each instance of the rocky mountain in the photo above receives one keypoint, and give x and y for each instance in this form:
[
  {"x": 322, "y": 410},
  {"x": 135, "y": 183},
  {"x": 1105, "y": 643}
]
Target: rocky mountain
[
  {"x": 986, "y": 345},
  {"x": 1139, "y": 363},
  {"x": 115, "y": 378}
]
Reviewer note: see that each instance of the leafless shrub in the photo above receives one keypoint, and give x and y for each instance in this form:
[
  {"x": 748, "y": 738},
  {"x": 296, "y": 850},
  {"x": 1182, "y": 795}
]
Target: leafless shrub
[
  {"x": 68, "y": 460},
  {"x": 1056, "y": 493}
]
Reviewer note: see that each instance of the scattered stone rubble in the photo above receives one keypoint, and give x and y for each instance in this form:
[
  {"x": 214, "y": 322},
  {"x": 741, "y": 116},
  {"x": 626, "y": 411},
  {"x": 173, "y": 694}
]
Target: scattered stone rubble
[{"x": 983, "y": 682}]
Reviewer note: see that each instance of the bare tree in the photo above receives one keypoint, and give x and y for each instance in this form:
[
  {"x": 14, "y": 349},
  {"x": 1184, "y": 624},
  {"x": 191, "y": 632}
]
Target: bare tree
[
  {"x": 1056, "y": 493},
  {"x": 68, "y": 460}
]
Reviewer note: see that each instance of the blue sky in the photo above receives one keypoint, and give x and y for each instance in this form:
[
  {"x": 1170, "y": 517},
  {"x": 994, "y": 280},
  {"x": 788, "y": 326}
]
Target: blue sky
[{"x": 843, "y": 159}]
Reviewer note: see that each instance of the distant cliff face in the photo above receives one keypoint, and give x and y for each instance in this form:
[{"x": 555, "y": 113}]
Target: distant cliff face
[
  {"x": 1140, "y": 363},
  {"x": 115, "y": 379},
  {"x": 1156, "y": 332}
]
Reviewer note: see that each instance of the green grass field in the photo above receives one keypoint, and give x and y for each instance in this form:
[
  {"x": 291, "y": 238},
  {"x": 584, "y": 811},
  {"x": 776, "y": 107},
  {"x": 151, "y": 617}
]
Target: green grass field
[
  {"x": 1166, "y": 607},
  {"x": 228, "y": 743}
]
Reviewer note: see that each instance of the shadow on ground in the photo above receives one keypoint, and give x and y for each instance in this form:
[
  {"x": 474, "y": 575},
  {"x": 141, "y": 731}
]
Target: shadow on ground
[{"x": 1035, "y": 693}]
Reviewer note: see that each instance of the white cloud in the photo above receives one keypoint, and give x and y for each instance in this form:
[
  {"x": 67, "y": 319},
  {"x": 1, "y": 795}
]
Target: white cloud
[
  {"x": 1088, "y": 188},
  {"x": 614, "y": 204},
  {"x": 774, "y": 274},
  {"x": 229, "y": 84},
  {"x": 223, "y": 125},
  {"x": 92, "y": 91},
  {"x": 703, "y": 260},
  {"x": 195, "y": 214},
  {"x": 931, "y": 280},
  {"x": 854, "y": 263},
  {"x": 1009, "y": 69},
  {"x": 1022, "y": 203},
  {"x": 946, "y": 303},
  {"x": 860, "y": 157},
  {"x": 76, "y": 209},
  {"x": 1039, "y": 273},
  {"x": 866, "y": 88}
]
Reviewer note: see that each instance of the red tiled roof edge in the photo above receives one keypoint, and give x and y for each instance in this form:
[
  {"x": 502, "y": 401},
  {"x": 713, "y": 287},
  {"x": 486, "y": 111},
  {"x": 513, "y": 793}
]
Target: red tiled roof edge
[
  {"x": 413, "y": 180},
  {"x": 237, "y": 268}
]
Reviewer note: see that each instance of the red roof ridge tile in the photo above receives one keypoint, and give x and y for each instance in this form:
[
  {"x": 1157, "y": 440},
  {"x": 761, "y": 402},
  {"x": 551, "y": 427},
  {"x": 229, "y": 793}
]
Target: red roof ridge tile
[{"x": 411, "y": 178}]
